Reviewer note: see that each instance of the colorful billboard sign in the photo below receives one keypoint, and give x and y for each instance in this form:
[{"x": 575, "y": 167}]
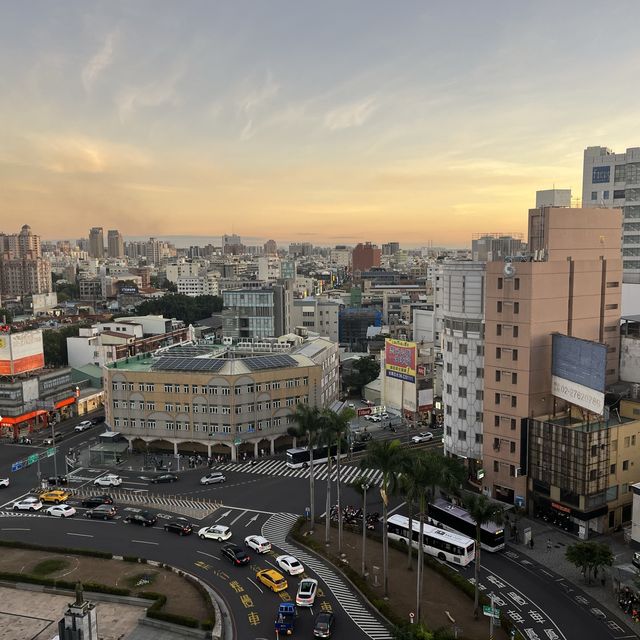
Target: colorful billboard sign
[
  {"x": 21, "y": 352},
  {"x": 400, "y": 360}
]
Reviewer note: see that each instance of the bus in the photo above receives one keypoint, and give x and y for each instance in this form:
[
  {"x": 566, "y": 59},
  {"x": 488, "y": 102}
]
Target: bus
[
  {"x": 450, "y": 516},
  {"x": 300, "y": 457},
  {"x": 445, "y": 545}
]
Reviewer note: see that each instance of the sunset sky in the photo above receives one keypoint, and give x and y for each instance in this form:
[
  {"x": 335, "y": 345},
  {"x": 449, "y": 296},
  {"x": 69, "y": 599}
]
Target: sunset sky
[{"x": 330, "y": 122}]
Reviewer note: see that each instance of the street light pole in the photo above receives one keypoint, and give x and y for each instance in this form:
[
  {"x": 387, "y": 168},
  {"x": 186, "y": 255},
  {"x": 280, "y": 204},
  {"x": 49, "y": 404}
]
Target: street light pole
[
  {"x": 55, "y": 450},
  {"x": 365, "y": 486}
]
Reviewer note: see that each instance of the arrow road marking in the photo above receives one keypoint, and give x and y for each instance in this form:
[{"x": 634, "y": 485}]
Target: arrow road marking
[
  {"x": 238, "y": 517},
  {"x": 252, "y": 519},
  {"x": 224, "y": 515}
]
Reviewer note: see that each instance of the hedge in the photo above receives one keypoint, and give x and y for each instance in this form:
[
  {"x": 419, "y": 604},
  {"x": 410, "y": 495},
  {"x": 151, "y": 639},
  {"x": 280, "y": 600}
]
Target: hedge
[
  {"x": 174, "y": 618},
  {"x": 62, "y": 584},
  {"x": 17, "y": 544}
]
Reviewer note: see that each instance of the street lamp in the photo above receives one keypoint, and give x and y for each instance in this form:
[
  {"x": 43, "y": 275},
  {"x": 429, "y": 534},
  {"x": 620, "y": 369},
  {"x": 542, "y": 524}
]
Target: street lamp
[{"x": 365, "y": 486}]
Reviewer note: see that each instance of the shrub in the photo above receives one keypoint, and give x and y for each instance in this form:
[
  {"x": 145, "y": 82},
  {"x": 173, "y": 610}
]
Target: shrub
[
  {"x": 48, "y": 566},
  {"x": 17, "y": 544},
  {"x": 174, "y": 618}
]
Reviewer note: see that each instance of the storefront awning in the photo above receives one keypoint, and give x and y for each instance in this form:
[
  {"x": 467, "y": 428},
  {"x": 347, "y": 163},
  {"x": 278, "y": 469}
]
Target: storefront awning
[
  {"x": 23, "y": 418},
  {"x": 65, "y": 403}
]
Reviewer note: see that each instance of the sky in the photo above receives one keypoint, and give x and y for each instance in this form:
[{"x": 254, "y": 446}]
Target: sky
[{"x": 332, "y": 122}]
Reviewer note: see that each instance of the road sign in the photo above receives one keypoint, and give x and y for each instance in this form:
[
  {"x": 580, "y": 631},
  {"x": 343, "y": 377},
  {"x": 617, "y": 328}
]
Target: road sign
[
  {"x": 51, "y": 452},
  {"x": 237, "y": 441},
  {"x": 365, "y": 412},
  {"x": 489, "y": 612},
  {"x": 33, "y": 458},
  {"x": 16, "y": 466}
]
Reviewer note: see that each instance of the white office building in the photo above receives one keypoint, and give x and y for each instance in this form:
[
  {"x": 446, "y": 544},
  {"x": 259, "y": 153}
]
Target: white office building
[
  {"x": 463, "y": 358},
  {"x": 613, "y": 180}
]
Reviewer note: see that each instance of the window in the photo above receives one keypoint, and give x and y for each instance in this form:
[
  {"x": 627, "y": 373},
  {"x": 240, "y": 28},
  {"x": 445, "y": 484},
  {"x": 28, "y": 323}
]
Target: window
[
  {"x": 498, "y": 353},
  {"x": 516, "y": 307},
  {"x": 496, "y": 466},
  {"x": 480, "y": 372},
  {"x": 499, "y": 306},
  {"x": 448, "y": 410},
  {"x": 609, "y": 307},
  {"x": 516, "y": 284},
  {"x": 151, "y": 406},
  {"x": 225, "y": 391},
  {"x": 512, "y": 470},
  {"x": 612, "y": 469},
  {"x": 462, "y": 435},
  {"x": 626, "y": 442},
  {"x": 514, "y": 402},
  {"x": 633, "y": 441},
  {"x": 620, "y": 173},
  {"x": 618, "y": 194},
  {"x": 479, "y": 394},
  {"x": 496, "y": 421},
  {"x": 515, "y": 330},
  {"x": 462, "y": 392},
  {"x": 514, "y": 354},
  {"x": 514, "y": 378},
  {"x": 462, "y": 371},
  {"x": 168, "y": 388},
  {"x": 498, "y": 329},
  {"x": 462, "y": 349},
  {"x": 625, "y": 465},
  {"x": 480, "y": 350},
  {"x": 497, "y": 398},
  {"x": 594, "y": 195},
  {"x": 499, "y": 283},
  {"x": 449, "y": 389},
  {"x": 449, "y": 367},
  {"x": 449, "y": 347},
  {"x": 605, "y": 194},
  {"x": 168, "y": 407},
  {"x": 448, "y": 431},
  {"x": 478, "y": 438},
  {"x": 601, "y": 174},
  {"x": 513, "y": 424},
  {"x": 512, "y": 447},
  {"x": 114, "y": 386},
  {"x": 478, "y": 418},
  {"x": 497, "y": 376}
]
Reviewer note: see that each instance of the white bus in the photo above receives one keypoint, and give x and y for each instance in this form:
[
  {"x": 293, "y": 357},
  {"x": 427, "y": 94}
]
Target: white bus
[
  {"x": 300, "y": 456},
  {"x": 445, "y": 545}
]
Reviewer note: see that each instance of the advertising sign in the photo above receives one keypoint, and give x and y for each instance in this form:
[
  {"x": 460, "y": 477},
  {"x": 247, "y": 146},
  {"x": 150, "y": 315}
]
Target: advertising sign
[
  {"x": 580, "y": 361},
  {"x": 575, "y": 393},
  {"x": 21, "y": 352},
  {"x": 364, "y": 412},
  {"x": 400, "y": 360}
]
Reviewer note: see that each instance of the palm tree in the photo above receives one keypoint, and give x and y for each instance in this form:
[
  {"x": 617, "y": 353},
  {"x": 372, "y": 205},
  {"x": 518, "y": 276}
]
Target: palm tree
[
  {"x": 327, "y": 437},
  {"x": 387, "y": 456},
  {"x": 410, "y": 489},
  {"x": 338, "y": 423},
  {"x": 482, "y": 510},
  {"x": 362, "y": 485},
  {"x": 308, "y": 421}
]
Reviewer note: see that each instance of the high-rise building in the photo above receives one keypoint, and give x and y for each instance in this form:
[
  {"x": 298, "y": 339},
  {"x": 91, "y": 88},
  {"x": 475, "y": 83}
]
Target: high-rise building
[
  {"x": 300, "y": 249},
  {"x": 96, "y": 242},
  {"x": 553, "y": 198},
  {"x": 486, "y": 247},
  {"x": 463, "y": 359},
  {"x": 22, "y": 268},
  {"x": 613, "y": 180},
  {"x": 390, "y": 248},
  {"x": 571, "y": 285},
  {"x": 270, "y": 247},
  {"x": 256, "y": 313},
  {"x": 365, "y": 256},
  {"x": 115, "y": 244}
]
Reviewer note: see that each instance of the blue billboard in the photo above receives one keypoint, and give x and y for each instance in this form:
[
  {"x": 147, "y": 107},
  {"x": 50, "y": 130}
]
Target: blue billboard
[{"x": 581, "y": 361}]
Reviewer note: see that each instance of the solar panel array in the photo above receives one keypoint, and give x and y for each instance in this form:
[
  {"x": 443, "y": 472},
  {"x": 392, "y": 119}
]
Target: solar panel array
[
  {"x": 189, "y": 364},
  {"x": 190, "y": 351},
  {"x": 270, "y": 362}
]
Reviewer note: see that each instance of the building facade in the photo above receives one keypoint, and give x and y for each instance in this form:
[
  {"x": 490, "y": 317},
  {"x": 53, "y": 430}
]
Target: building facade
[
  {"x": 259, "y": 313},
  {"x": 115, "y": 244},
  {"x": 23, "y": 271},
  {"x": 463, "y": 359},
  {"x": 365, "y": 256},
  {"x": 96, "y": 242}
]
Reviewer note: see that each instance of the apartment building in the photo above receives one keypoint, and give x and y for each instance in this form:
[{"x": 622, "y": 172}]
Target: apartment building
[
  {"x": 257, "y": 313},
  {"x": 217, "y": 400},
  {"x": 96, "y": 242},
  {"x": 22, "y": 269},
  {"x": 572, "y": 285},
  {"x": 320, "y": 315}
]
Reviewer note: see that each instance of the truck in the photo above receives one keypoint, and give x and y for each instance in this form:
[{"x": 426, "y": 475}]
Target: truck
[{"x": 285, "y": 619}]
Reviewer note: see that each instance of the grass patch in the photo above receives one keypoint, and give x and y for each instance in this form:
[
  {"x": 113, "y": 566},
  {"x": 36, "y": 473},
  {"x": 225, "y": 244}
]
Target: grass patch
[
  {"x": 49, "y": 566},
  {"x": 140, "y": 580}
]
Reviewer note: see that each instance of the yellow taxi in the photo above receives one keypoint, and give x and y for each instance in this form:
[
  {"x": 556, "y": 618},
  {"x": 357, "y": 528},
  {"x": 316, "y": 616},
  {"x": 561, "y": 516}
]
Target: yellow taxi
[
  {"x": 57, "y": 496},
  {"x": 272, "y": 579}
]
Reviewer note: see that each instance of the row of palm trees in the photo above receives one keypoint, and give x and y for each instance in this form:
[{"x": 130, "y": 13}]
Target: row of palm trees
[{"x": 414, "y": 474}]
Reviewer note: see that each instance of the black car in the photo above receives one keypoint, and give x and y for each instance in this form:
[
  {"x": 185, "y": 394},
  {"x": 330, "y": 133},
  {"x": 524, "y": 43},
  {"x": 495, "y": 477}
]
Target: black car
[
  {"x": 57, "y": 480},
  {"x": 181, "y": 526},
  {"x": 96, "y": 501},
  {"x": 143, "y": 518},
  {"x": 104, "y": 511},
  {"x": 167, "y": 477},
  {"x": 236, "y": 554},
  {"x": 24, "y": 440},
  {"x": 323, "y": 626},
  {"x": 97, "y": 420}
]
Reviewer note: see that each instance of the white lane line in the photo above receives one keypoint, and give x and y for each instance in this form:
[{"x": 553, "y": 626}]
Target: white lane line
[
  {"x": 395, "y": 509},
  {"x": 269, "y": 513},
  {"x": 255, "y": 585},
  {"x": 13, "y": 529},
  {"x": 145, "y": 542},
  {"x": 238, "y": 517},
  {"x": 224, "y": 515},
  {"x": 210, "y": 555},
  {"x": 6, "y": 504},
  {"x": 80, "y": 535}
]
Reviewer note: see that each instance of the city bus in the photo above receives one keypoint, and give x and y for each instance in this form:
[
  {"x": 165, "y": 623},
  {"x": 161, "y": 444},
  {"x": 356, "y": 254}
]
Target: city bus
[
  {"x": 450, "y": 516},
  {"x": 445, "y": 545},
  {"x": 300, "y": 457}
]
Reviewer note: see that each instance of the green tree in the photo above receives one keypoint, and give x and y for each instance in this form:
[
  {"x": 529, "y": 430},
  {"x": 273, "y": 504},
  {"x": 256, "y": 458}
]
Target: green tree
[
  {"x": 483, "y": 511},
  {"x": 189, "y": 309},
  {"x": 308, "y": 423},
  {"x": 6, "y": 314},
  {"x": 364, "y": 371},
  {"x": 55, "y": 344},
  {"x": 386, "y": 456},
  {"x": 589, "y": 557},
  {"x": 338, "y": 423}
]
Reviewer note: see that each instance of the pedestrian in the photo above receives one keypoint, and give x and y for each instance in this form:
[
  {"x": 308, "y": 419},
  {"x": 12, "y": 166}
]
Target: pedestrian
[
  {"x": 548, "y": 545},
  {"x": 531, "y": 543}
]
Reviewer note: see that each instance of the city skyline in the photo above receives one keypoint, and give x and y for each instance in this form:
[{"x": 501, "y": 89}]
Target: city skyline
[{"x": 166, "y": 120}]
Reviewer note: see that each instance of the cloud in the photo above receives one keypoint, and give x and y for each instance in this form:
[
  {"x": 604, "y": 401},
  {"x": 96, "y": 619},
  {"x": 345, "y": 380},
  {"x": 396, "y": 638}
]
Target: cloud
[
  {"x": 100, "y": 61},
  {"x": 354, "y": 114},
  {"x": 253, "y": 101},
  {"x": 152, "y": 94}
]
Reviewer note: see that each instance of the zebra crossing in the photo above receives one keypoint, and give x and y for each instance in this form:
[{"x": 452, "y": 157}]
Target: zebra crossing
[
  {"x": 276, "y": 529},
  {"x": 270, "y": 467}
]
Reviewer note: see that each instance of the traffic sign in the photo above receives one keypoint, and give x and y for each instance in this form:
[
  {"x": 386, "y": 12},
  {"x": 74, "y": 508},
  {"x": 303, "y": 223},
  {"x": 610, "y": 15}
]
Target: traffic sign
[
  {"x": 51, "y": 452},
  {"x": 33, "y": 458},
  {"x": 489, "y": 612},
  {"x": 16, "y": 466}
]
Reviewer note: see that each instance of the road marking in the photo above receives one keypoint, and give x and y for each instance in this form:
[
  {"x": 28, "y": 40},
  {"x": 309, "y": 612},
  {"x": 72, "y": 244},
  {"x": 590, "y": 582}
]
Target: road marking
[
  {"x": 11, "y": 502},
  {"x": 269, "y": 513},
  {"x": 80, "y": 535},
  {"x": 389, "y": 513},
  {"x": 238, "y": 517},
  {"x": 145, "y": 542},
  {"x": 255, "y": 585},
  {"x": 210, "y": 555},
  {"x": 13, "y": 529},
  {"x": 252, "y": 519},
  {"x": 224, "y": 515}
]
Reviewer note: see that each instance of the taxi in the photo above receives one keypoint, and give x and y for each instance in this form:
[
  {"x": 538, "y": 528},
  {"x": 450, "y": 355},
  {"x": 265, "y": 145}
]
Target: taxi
[
  {"x": 272, "y": 579},
  {"x": 57, "y": 496}
]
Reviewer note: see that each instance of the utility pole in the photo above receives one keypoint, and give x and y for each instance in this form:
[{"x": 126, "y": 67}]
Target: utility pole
[
  {"x": 365, "y": 486},
  {"x": 491, "y": 619},
  {"x": 55, "y": 450}
]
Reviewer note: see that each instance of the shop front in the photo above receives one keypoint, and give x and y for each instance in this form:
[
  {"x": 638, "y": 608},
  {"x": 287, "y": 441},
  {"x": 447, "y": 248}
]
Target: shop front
[
  {"x": 15, "y": 427},
  {"x": 569, "y": 519}
]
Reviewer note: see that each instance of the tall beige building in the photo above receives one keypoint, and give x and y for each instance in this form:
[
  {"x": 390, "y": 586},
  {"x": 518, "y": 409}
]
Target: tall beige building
[
  {"x": 22, "y": 268},
  {"x": 572, "y": 285},
  {"x": 96, "y": 242},
  {"x": 115, "y": 244}
]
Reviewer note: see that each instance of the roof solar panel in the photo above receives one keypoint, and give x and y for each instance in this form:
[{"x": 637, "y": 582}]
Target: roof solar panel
[
  {"x": 259, "y": 363},
  {"x": 189, "y": 364}
]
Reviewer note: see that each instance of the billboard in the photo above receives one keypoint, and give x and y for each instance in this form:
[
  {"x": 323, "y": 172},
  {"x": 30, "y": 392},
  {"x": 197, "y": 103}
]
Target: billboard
[
  {"x": 400, "y": 359},
  {"x": 21, "y": 352},
  {"x": 578, "y": 369}
]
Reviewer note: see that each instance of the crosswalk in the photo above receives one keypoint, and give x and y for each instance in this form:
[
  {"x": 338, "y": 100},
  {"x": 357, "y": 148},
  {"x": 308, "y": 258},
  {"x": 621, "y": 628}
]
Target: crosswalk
[
  {"x": 270, "y": 467},
  {"x": 276, "y": 529}
]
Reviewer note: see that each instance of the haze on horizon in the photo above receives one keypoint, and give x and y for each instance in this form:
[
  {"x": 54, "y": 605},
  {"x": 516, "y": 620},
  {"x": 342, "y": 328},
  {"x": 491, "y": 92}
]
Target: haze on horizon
[{"x": 329, "y": 123}]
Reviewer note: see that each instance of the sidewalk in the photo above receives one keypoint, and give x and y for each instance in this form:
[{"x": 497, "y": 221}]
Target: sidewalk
[{"x": 554, "y": 559}]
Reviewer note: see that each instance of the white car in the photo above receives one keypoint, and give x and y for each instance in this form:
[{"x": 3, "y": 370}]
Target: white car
[
  {"x": 373, "y": 417},
  {"x": 110, "y": 480},
  {"x": 212, "y": 478},
  {"x": 291, "y": 565},
  {"x": 4, "y": 482},
  {"x": 384, "y": 415},
  {"x": 215, "y": 532},
  {"x": 61, "y": 511},
  {"x": 425, "y": 436},
  {"x": 258, "y": 544},
  {"x": 28, "y": 504},
  {"x": 83, "y": 426},
  {"x": 307, "y": 590}
]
